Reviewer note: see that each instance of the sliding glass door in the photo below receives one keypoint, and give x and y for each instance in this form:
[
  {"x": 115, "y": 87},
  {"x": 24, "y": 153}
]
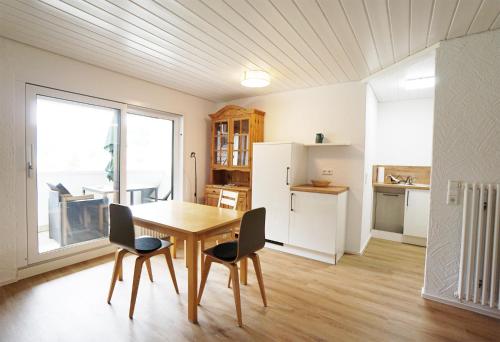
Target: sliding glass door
[
  {"x": 150, "y": 156},
  {"x": 73, "y": 169},
  {"x": 84, "y": 153}
]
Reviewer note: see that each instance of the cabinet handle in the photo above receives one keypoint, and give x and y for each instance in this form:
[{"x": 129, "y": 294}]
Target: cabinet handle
[
  {"x": 390, "y": 195},
  {"x": 407, "y": 197},
  {"x": 287, "y": 173},
  {"x": 291, "y": 201}
]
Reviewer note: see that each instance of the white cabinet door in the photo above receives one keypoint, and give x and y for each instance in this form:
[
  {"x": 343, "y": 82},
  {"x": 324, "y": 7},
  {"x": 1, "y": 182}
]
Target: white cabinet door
[
  {"x": 270, "y": 187},
  {"x": 313, "y": 221},
  {"x": 417, "y": 206}
]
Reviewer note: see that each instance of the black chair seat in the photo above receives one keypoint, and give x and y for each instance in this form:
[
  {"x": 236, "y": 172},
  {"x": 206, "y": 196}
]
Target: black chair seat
[
  {"x": 226, "y": 251},
  {"x": 147, "y": 244}
]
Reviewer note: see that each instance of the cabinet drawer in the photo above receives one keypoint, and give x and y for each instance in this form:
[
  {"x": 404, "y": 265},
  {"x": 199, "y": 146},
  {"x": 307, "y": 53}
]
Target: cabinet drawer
[
  {"x": 212, "y": 191},
  {"x": 212, "y": 197}
]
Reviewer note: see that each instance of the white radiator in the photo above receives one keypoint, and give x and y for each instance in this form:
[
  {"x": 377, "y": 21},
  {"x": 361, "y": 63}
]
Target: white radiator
[
  {"x": 140, "y": 231},
  {"x": 479, "y": 274}
]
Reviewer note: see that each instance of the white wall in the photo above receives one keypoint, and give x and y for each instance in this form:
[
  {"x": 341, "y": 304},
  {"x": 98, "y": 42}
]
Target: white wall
[
  {"x": 370, "y": 156},
  {"x": 404, "y": 132},
  {"x": 338, "y": 111},
  {"x": 466, "y": 145},
  {"x": 20, "y": 64},
  {"x": 7, "y": 170}
]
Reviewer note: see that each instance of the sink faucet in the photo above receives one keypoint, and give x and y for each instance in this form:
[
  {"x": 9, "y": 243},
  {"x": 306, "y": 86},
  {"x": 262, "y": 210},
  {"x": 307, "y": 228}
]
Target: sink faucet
[{"x": 410, "y": 180}]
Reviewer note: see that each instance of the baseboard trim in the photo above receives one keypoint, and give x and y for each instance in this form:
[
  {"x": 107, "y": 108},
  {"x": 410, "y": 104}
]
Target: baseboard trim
[
  {"x": 39, "y": 268},
  {"x": 480, "y": 309},
  {"x": 305, "y": 253},
  {"x": 382, "y": 234},
  {"x": 414, "y": 240},
  {"x": 362, "y": 252},
  {"x": 7, "y": 282}
]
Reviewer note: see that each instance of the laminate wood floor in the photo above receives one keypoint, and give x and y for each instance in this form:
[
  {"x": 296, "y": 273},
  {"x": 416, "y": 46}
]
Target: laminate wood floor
[{"x": 375, "y": 297}]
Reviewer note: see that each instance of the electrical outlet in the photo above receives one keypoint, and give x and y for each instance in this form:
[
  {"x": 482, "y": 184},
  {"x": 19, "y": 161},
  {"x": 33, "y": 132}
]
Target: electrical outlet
[{"x": 327, "y": 172}]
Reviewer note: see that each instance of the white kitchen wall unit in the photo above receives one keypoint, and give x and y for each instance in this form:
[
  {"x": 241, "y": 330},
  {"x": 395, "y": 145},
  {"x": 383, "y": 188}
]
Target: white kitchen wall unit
[
  {"x": 416, "y": 217},
  {"x": 339, "y": 111},
  {"x": 276, "y": 166},
  {"x": 317, "y": 225},
  {"x": 317, "y": 229}
]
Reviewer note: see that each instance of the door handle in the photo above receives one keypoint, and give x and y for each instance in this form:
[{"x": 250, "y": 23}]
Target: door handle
[
  {"x": 390, "y": 195},
  {"x": 287, "y": 174},
  {"x": 291, "y": 201},
  {"x": 29, "y": 164}
]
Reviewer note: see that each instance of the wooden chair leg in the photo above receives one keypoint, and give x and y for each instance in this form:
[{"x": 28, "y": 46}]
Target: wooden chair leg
[
  {"x": 229, "y": 281},
  {"x": 170, "y": 264},
  {"x": 204, "y": 277},
  {"x": 150, "y": 271},
  {"x": 244, "y": 271},
  {"x": 258, "y": 271},
  {"x": 173, "y": 248},
  {"x": 116, "y": 271},
  {"x": 120, "y": 275},
  {"x": 236, "y": 292},
  {"x": 135, "y": 285}
]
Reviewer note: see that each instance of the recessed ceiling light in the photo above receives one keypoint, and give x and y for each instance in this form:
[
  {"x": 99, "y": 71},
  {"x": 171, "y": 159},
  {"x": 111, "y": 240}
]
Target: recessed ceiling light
[
  {"x": 420, "y": 83},
  {"x": 255, "y": 79}
]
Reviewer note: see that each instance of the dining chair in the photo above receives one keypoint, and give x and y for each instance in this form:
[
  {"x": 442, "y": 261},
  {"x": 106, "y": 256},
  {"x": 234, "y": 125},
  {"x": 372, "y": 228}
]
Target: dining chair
[
  {"x": 250, "y": 240},
  {"x": 122, "y": 233},
  {"x": 229, "y": 200}
]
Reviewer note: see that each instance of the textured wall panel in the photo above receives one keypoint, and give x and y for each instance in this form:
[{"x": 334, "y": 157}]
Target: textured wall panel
[{"x": 466, "y": 144}]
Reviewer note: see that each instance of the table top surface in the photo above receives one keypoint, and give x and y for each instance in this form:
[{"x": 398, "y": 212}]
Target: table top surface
[{"x": 185, "y": 216}]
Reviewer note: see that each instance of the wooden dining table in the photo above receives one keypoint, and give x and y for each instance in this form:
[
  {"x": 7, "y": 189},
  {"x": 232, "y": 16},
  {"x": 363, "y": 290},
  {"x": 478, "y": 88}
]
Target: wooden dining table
[{"x": 190, "y": 222}]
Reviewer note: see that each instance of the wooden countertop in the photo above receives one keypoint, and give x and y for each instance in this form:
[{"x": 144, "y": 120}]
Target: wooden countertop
[
  {"x": 331, "y": 190},
  {"x": 402, "y": 186}
]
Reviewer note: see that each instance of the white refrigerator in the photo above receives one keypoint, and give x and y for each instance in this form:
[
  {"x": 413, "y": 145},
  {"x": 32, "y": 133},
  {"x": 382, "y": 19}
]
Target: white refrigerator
[{"x": 276, "y": 167}]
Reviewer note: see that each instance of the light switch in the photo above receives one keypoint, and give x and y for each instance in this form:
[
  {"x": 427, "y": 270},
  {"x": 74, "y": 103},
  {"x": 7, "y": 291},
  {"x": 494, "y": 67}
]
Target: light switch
[{"x": 453, "y": 192}]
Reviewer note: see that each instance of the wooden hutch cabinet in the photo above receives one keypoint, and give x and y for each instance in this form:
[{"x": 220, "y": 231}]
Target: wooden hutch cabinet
[{"x": 234, "y": 130}]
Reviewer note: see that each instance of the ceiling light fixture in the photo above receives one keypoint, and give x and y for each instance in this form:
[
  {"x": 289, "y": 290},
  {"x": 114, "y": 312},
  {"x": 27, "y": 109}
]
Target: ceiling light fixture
[
  {"x": 255, "y": 79},
  {"x": 420, "y": 83}
]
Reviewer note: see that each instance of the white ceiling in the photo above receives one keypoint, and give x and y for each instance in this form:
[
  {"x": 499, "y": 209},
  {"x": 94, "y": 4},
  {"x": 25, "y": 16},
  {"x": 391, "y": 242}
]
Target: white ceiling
[
  {"x": 202, "y": 47},
  {"x": 389, "y": 85}
]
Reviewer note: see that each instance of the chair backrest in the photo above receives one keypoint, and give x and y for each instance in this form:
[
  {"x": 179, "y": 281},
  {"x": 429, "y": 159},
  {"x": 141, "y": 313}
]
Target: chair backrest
[
  {"x": 122, "y": 230},
  {"x": 252, "y": 237},
  {"x": 228, "y": 199}
]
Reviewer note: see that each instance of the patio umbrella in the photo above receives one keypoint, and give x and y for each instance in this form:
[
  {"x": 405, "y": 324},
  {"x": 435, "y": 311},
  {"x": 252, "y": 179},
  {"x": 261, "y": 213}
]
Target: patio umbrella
[{"x": 110, "y": 146}]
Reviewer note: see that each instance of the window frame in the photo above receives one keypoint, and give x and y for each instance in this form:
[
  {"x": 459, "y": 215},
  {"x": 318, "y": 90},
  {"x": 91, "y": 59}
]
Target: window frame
[{"x": 32, "y": 256}]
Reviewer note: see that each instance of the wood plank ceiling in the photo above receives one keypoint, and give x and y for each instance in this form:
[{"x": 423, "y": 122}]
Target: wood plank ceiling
[{"x": 202, "y": 47}]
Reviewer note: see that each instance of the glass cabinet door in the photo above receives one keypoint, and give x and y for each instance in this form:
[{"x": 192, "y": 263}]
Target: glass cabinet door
[
  {"x": 240, "y": 142},
  {"x": 221, "y": 142}
]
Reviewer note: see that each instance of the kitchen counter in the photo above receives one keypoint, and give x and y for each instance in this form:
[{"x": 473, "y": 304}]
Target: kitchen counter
[
  {"x": 402, "y": 186},
  {"x": 331, "y": 190}
]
